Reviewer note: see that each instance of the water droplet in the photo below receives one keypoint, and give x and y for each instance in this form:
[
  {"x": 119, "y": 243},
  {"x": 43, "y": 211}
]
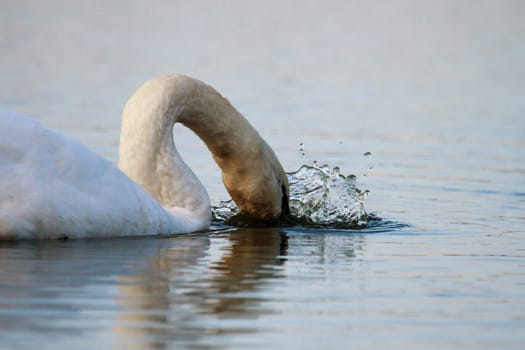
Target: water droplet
[
  {"x": 370, "y": 164},
  {"x": 362, "y": 195}
]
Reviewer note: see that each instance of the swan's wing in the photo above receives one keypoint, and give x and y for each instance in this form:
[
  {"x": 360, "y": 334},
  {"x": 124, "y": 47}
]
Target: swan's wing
[{"x": 52, "y": 186}]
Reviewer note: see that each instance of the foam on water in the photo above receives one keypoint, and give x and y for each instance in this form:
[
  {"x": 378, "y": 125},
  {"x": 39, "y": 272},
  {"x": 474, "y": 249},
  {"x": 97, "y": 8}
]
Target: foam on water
[{"x": 319, "y": 196}]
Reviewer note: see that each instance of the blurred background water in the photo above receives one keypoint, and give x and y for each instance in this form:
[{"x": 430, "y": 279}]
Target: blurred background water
[{"x": 434, "y": 90}]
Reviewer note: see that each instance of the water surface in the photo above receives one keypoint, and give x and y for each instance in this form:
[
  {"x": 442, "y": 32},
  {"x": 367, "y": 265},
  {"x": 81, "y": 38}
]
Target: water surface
[{"x": 433, "y": 90}]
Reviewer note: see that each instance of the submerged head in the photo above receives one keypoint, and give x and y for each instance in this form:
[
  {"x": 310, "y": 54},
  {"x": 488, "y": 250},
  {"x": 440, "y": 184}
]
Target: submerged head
[{"x": 259, "y": 185}]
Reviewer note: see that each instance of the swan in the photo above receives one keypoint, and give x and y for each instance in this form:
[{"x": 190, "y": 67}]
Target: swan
[{"x": 51, "y": 186}]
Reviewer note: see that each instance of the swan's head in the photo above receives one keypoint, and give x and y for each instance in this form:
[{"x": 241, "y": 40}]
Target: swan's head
[{"x": 260, "y": 189}]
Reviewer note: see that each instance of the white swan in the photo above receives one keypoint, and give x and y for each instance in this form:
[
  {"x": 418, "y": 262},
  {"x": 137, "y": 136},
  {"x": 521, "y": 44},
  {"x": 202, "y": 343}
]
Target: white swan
[{"x": 51, "y": 186}]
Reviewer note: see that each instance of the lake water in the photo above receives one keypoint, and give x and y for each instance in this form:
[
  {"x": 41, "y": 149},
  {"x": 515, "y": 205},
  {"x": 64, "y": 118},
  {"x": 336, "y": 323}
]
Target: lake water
[{"x": 434, "y": 90}]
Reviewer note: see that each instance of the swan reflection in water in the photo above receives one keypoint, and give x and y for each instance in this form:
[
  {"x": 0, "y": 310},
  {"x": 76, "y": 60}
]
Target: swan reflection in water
[
  {"x": 156, "y": 293},
  {"x": 200, "y": 290},
  {"x": 192, "y": 279}
]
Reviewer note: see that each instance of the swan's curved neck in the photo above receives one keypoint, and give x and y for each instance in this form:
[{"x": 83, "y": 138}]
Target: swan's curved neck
[{"x": 251, "y": 172}]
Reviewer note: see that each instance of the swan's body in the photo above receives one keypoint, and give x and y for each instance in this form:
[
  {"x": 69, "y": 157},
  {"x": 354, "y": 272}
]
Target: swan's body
[{"x": 52, "y": 186}]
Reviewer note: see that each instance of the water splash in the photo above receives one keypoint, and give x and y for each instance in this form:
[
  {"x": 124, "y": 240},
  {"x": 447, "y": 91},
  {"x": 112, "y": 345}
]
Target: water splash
[
  {"x": 224, "y": 211},
  {"x": 325, "y": 197},
  {"x": 319, "y": 197}
]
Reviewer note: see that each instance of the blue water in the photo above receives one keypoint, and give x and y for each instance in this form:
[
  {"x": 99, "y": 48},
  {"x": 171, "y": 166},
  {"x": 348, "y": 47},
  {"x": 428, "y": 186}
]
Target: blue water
[{"x": 433, "y": 90}]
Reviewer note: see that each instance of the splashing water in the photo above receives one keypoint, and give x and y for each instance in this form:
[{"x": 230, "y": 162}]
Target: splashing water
[
  {"x": 323, "y": 196},
  {"x": 319, "y": 196}
]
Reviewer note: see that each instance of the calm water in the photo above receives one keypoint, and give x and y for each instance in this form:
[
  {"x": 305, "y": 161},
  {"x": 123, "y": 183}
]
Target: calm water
[{"x": 433, "y": 89}]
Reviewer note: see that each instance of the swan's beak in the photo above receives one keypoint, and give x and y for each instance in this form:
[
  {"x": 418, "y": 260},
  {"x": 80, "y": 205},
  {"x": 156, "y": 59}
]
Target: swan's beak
[{"x": 285, "y": 204}]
